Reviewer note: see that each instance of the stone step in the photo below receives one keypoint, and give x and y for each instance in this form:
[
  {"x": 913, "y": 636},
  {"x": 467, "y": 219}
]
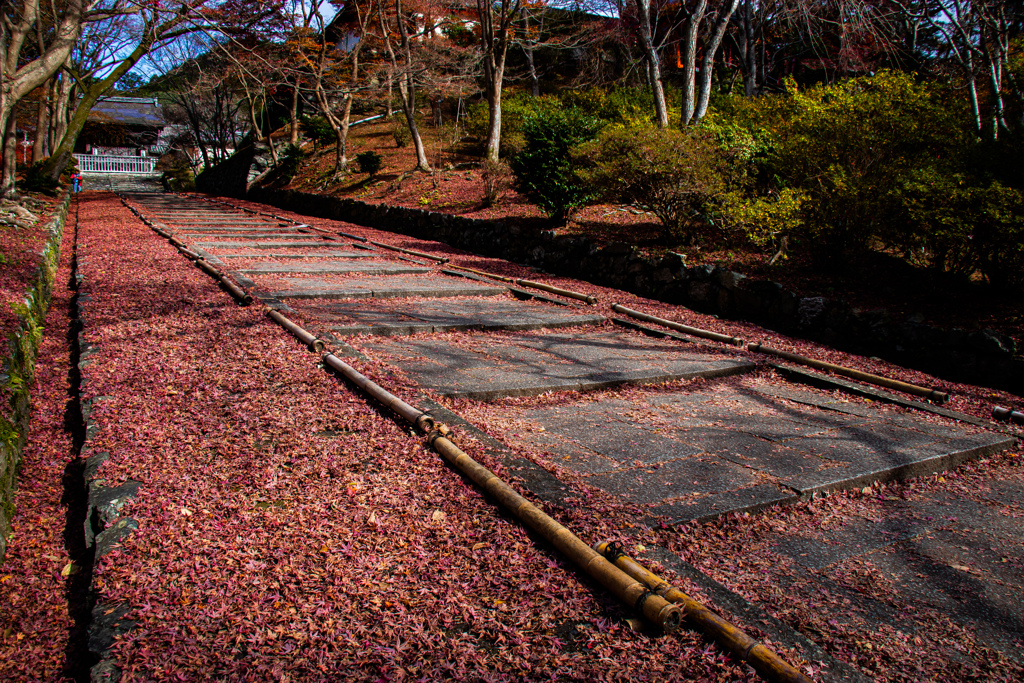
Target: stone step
[
  {"x": 404, "y": 318},
  {"x": 487, "y": 368},
  {"x": 383, "y": 288}
]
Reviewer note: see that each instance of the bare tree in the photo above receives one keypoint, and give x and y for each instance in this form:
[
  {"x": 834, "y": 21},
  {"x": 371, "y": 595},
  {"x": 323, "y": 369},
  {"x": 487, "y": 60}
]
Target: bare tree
[
  {"x": 148, "y": 25},
  {"x": 404, "y": 74},
  {"x": 19, "y": 76}
]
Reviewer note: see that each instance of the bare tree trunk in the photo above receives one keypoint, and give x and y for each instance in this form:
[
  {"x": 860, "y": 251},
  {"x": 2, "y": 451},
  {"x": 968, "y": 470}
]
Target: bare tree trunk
[
  {"x": 643, "y": 11},
  {"x": 62, "y": 92},
  {"x": 707, "y": 66},
  {"x": 10, "y": 159},
  {"x": 407, "y": 89},
  {"x": 494, "y": 40},
  {"x": 528, "y": 43},
  {"x": 689, "y": 55},
  {"x": 748, "y": 49},
  {"x": 257, "y": 129},
  {"x": 293, "y": 114},
  {"x": 42, "y": 123},
  {"x": 341, "y": 152}
]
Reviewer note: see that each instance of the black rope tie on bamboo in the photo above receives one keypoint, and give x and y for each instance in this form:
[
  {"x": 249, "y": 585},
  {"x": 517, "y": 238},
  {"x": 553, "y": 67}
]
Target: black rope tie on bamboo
[
  {"x": 613, "y": 552},
  {"x": 639, "y": 606},
  {"x": 438, "y": 430}
]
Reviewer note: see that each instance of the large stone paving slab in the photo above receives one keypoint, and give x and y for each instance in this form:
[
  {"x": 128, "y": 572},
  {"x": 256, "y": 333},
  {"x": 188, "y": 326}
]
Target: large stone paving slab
[
  {"x": 204, "y": 236},
  {"x": 524, "y": 365},
  {"x": 242, "y": 231},
  {"x": 693, "y": 455},
  {"x": 385, "y": 287},
  {"x": 327, "y": 268},
  {"x": 317, "y": 254},
  {"x": 401, "y": 318},
  {"x": 312, "y": 243}
]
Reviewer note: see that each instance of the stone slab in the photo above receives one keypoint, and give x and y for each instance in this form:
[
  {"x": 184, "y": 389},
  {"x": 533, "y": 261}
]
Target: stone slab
[
  {"x": 328, "y": 268},
  {"x": 391, "y": 319},
  {"x": 313, "y": 243},
  {"x": 204, "y": 236},
  {"x": 382, "y": 288},
  {"x": 318, "y": 254},
  {"x": 533, "y": 364},
  {"x": 243, "y": 231},
  {"x": 692, "y": 455}
]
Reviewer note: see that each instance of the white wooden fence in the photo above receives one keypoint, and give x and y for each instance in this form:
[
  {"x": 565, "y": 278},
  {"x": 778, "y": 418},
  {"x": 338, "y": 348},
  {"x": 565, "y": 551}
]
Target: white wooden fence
[{"x": 104, "y": 163}]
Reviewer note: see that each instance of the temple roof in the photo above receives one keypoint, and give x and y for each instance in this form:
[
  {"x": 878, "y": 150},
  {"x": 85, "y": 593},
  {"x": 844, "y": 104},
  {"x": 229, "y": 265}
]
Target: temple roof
[{"x": 132, "y": 111}]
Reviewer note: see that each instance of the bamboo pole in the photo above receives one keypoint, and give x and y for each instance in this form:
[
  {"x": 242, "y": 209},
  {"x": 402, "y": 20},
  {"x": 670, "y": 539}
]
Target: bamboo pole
[
  {"x": 926, "y": 392},
  {"x": 693, "y": 331},
  {"x": 631, "y": 592},
  {"x": 530, "y": 283},
  {"x": 768, "y": 665},
  {"x": 411, "y": 252},
  {"x": 500, "y": 278},
  {"x": 233, "y": 289},
  {"x": 1000, "y": 413},
  {"x": 556, "y": 290},
  {"x": 414, "y": 416},
  {"x": 311, "y": 342}
]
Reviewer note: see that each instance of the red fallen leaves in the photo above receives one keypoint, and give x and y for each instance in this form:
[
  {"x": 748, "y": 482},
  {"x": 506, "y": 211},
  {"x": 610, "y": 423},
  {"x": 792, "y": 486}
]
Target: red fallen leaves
[
  {"x": 323, "y": 541},
  {"x": 20, "y": 255},
  {"x": 34, "y": 619}
]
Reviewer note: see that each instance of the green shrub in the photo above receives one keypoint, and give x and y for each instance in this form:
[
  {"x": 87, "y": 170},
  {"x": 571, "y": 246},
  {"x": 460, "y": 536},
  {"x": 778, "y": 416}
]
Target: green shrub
[
  {"x": 318, "y": 129},
  {"x": 965, "y": 224},
  {"x": 680, "y": 176},
  {"x": 289, "y": 161},
  {"x": 401, "y": 132},
  {"x": 545, "y": 170},
  {"x": 848, "y": 148},
  {"x": 626, "y": 105},
  {"x": 457, "y": 32},
  {"x": 369, "y": 162},
  {"x": 515, "y": 109}
]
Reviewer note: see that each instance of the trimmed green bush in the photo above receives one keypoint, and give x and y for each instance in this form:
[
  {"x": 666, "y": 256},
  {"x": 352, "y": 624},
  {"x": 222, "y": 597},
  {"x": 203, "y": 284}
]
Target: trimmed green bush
[
  {"x": 318, "y": 129},
  {"x": 545, "y": 170},
  {"x": 289, "y": 161},
  {"x": 369, "y": 162}
]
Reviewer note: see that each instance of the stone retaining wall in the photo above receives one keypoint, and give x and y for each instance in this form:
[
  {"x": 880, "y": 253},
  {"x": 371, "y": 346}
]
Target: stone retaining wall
[
  {"x": 17, "y": 367},
  {"x": 978, "y": 357}
]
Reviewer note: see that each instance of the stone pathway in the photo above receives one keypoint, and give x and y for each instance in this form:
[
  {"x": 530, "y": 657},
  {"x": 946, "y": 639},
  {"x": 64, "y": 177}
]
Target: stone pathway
[
  {"x": 683, "y": 455},
  {"x": 734, "y": 440}
]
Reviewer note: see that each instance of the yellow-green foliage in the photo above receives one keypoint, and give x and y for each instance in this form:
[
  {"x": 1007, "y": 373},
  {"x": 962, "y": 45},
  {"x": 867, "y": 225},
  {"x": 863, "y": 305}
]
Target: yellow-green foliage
[
  {"x": 849, "y": 147},
  {"x": 680, "y": 176},
  {"x": 763, "y": 218}
]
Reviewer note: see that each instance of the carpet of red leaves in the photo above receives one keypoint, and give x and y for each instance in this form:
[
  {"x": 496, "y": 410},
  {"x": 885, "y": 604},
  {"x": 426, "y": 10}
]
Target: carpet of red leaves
[
  {"x": 289, "y": 531},
  {"x": 20, "y": 255},
  {"x": 34, "y": 620}
]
